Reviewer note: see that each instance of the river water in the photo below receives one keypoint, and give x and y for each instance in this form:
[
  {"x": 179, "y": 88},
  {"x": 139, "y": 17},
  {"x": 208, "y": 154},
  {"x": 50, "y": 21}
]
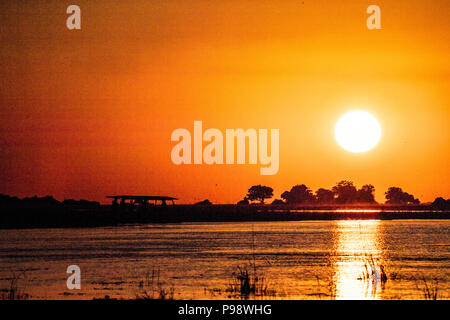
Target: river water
[{"x": 293, "y": 260}]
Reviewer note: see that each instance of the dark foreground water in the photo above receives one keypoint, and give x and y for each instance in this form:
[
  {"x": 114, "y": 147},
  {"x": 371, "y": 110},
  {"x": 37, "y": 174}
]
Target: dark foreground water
[{"x": 298, "y": 260}]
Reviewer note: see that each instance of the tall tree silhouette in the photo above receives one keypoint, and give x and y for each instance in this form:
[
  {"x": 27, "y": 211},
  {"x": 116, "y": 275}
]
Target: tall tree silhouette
[
  {"x": 324, "y": 196},
  {"x": 366, "y": 194},
  {"x": 345, "y": 192},
  {"x": 396, "y": 195},
  {"x": 260, "y": 193},
  {"x": 298, "y": 194}
]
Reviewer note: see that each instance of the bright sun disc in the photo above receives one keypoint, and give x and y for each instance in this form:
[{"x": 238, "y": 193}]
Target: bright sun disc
[{"x": 357, "y": 131}]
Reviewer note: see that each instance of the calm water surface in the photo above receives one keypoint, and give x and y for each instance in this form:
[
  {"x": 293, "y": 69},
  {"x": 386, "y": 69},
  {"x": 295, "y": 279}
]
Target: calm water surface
[{"x": 298, "y": 260}]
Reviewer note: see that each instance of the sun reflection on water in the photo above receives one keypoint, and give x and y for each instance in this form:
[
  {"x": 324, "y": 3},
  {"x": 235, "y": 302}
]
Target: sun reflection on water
[{"x": 358, "y": 266}]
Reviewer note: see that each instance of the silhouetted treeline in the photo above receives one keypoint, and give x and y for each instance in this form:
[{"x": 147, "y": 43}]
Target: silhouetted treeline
[
  {"x": 46, "y": 212},
  {"x": 47, "y": 201},
  {"x": 344, "y": 192}
]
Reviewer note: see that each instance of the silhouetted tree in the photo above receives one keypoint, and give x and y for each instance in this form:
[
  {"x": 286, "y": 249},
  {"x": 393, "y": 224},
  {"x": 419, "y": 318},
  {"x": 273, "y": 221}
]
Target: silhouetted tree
[
  {"x": 260, "y": 193},
  {"x": 205, "y": 202},
  {"x": 243, "y": 201},
  {"x": 298, "y": 194},
  {"x": 366, "y": 194},
  {"x": 345, "y": 192},
  {"x": 324, "y": 196},
  {"x": 396, "y": 195},
  {"x": 441, "y": 204},
  {"x": 285, "y": 196},
  {"x": 277, "y": 202}
]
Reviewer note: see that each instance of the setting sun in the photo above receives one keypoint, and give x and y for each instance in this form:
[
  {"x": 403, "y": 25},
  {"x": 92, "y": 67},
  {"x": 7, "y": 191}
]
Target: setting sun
[{"x": 357, "y": 131}]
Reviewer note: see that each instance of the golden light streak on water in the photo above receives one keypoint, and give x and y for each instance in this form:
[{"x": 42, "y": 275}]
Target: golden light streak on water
[{"x": 357, "y": 271}]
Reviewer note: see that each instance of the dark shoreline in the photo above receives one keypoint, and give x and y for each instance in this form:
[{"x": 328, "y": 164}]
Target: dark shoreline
[{"x": 103, "y": 216}]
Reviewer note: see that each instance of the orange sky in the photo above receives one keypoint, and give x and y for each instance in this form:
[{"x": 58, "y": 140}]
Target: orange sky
[{"x": 89, "y": 113}]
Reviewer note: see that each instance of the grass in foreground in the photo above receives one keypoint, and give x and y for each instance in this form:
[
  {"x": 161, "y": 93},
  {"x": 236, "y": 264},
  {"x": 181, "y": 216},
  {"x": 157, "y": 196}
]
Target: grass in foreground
[
  {"x": 14, "y": 292},
  {"x": 246, "y": 284},
  {"x": 429, "y": 288},
  {"x": 152, "y": 288}
]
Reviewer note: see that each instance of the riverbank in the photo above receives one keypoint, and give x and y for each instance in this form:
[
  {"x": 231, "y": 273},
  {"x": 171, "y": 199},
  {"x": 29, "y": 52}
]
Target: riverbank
[{"x": 68, "y": 217}]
